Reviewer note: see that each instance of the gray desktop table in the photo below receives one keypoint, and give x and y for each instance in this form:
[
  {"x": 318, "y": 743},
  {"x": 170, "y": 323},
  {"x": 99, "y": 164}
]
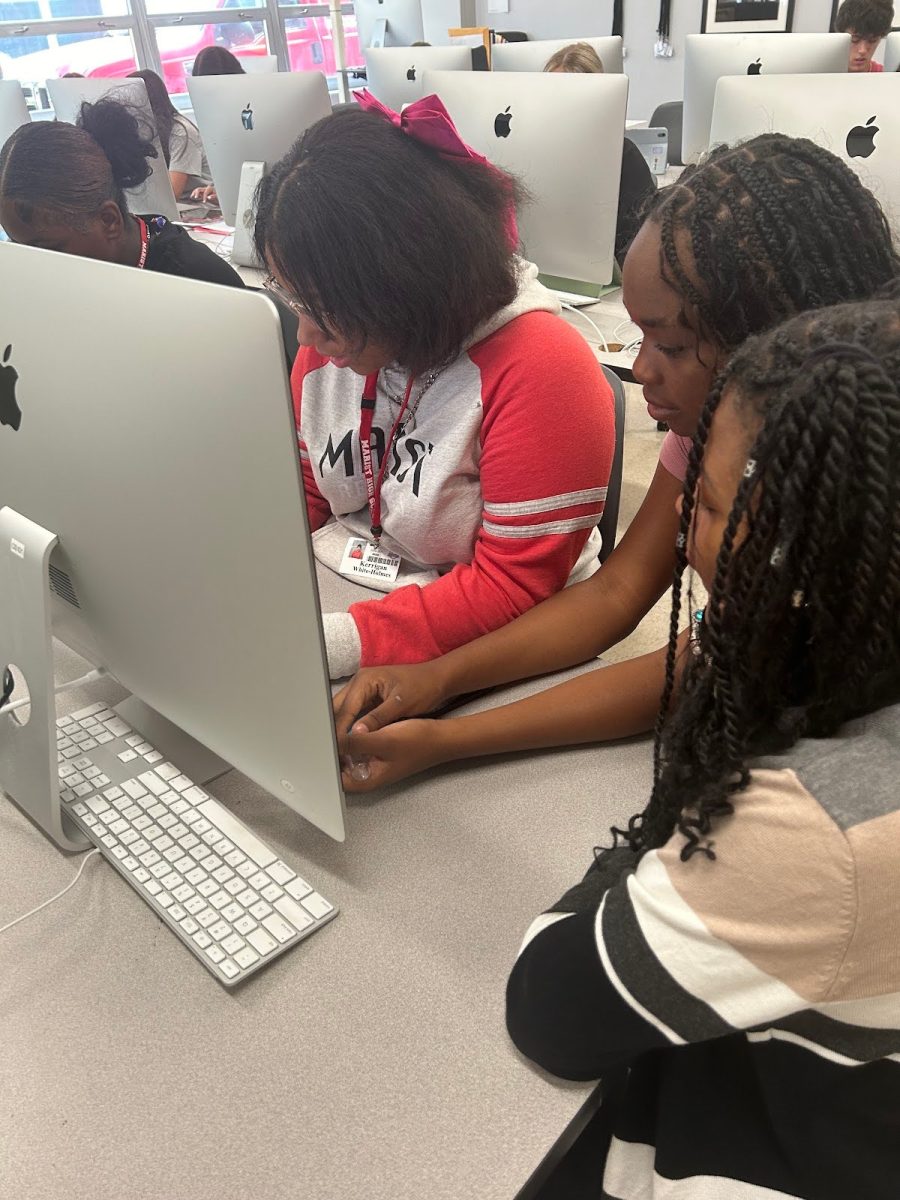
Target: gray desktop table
[{"x": 371, "y": 1061}]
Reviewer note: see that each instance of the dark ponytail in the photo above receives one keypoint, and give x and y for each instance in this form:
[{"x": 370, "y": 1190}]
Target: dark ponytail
[{"x": 71, "y": 170}]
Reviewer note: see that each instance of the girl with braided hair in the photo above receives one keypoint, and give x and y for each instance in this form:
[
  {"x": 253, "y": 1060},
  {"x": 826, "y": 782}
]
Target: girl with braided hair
[
  {"x": 747, "y": 239},
  {"x": 751, "y": 991}
]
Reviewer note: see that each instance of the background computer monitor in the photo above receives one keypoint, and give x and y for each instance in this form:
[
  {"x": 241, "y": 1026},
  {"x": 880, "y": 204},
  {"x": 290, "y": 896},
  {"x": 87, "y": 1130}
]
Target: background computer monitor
[
  {"x": 253, "y": 118},
  {"x": 708, "y": 56},
  {"x": 403, "y": 21},
  {"x": 856, "y": 117},
  {"x": 13, "y": 109},
  {"x": 155, "y": 195},
  {"x": 259, "y": 64},
  {"x": 532, "y": 56},
  {"x": 168, "y": 468},
  {"x": 562, "y": 136},
  {"x": 396, "y": 76},
  {"x": 892, "y": 52}
]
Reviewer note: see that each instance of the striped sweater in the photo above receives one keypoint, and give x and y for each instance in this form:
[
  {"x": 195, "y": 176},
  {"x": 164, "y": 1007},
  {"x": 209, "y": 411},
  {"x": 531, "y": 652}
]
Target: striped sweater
[
  {"x": 755, "y": 999},
  {"x": 491, "y": 498}
]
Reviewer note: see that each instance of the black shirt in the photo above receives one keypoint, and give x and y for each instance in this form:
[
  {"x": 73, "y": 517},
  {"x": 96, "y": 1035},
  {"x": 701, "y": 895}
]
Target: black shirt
[
  {"x": 172, "y": 251},
  {"x": 636, "y": 186}
]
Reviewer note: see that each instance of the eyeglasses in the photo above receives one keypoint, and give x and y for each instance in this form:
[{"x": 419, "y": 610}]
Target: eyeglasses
[{"x": 283, "y": 296}]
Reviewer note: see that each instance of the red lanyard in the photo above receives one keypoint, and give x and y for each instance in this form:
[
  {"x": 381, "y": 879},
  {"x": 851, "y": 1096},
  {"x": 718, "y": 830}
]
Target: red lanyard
[
  {"x": 366, "y": 416},
  {"x": 145, "y": 242}
]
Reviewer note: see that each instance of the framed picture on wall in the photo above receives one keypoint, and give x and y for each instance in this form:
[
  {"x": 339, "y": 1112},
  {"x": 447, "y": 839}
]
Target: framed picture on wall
[
  {"x": 895, "y": 24},
  {"x": 747, "y": 16}
]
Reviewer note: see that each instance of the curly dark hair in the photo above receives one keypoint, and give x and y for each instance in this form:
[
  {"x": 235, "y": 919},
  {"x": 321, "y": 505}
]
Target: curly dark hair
[
  {"x": 766, "y": 229},
  {"x": 382, "y": 239},
  {"x": 801, "y": 631},
  {"x": 865, "y": 18}
]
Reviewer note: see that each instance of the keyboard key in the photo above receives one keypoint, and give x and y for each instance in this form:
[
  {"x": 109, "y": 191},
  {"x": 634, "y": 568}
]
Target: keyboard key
[
  {"x": 142, "y": 822},
  {"x": 119, "y": 826},
  {"x": 316, "y": 904},
  {"x": 134, "y": 789},
  {"x": 80, "y": 737},
  {"x": 208, "y": 887},
  {"x": 202, "y": 826},
  {"x": 109, "y": 841},
  {"x": 246, "y": 868},
  {"x": 172, "y": 881},
  {"x": 195, "y": 905},
  {"x": 102, "y": 780},
  {"x": 222, "y": 873},
  {"x": 150, "y": 859},
  {"x": 140, "y": 848},
  {"x": 129, "y": 837},
  {"x": 207, "y": 917},
  {"x": 89, "y": 819},
  {"x": 103, "y": 738},
  {"x": 220, "y": 899},
  {"x": 152, "y": 887},
  {"x": 229, "y": 968},
  {"x": 162, "y": 843},
  {"x": 183, "y": 864},
  {"x": 183, "y": 892},
  {"x": 153, "y": 782},
  {"x": 173, "y": 855},
  {"x": 291, "y": 911},
  {"x": 156, "y": 811},
  {"x": 66, "y": 769},
  {"x": 142, "y": 875},
  {"x": 232, "y": 828},
  {"x": 211, "y": 837},
  {"x": 188, "y": 842},
  {"x": 67, "y": 794},
  {"x": 220, "y": 930},
  {"x": 178, "y": 831},
  {"x": 260, "y": 941},
  {"x": 189, "y": 925},
  {"x": 259, "y": 880},
  {"x": 132, "y": 812},
  {"x": 280, "y": 929},
  {"x": 235, "y": 885},
  {"x": 74, "y": 778},
  {"x": 214, "y": 953},
  {"x": 260, "y": 910},
  {"x": 152, "y": 832},
  {"x": 113, "y": 793},
  {"x": 180, "y": 783},
  {"x": 202, "y": 939},
  {"x": 83, "y": 789},
  {"x": 97, "y": 805},
  {"x": 158, "y": 870},
  {"x": 192, "y": 818},
  {"x": 194, "y": 794},
  {"x": 248, "y": 898},
  {"x": 244, "y": 924},
  {"x": 80, "y": 808},
  {"x": 134, "y": 740},
  {"x": 198, "y": 853},
  {"x": 165, "y": 899},
  {"x": 117, "y": 727},
  {"x": 89, "y": 744},
  {"x": 196, "y": 876},
  {"x": 223, "y": 847},
  {"x": 126, "y": 756},
  {"x": 143, "y": 747},
  {"x": 91, "y": 773},
  {"x": 62, "y": 742},
  {"x": 71, "y": 751},
  {"x": 177, "y": 806},
  {"x": 246, "y": 957},
  {"x": 153, "y": 757},
  {"x": 232, "y": 912},
  {"x": 235, "y": 858},
  {"x": 272, "y": 892},
  {"x": 130, "y": 863},
  {"x": 280, "y": 872},
  {"x": 166, "y": 770},
  {"x": 297, "y": 888},
  {"x": 119, "y": 852},
  {"x": 233, "y": 943}
]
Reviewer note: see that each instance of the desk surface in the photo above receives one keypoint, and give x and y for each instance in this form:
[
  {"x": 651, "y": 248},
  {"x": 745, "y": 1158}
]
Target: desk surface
[{"x": 371, "y": 1060}]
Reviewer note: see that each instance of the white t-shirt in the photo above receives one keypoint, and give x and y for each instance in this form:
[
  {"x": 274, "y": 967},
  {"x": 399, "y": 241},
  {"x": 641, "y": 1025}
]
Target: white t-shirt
[{"x": 186, "y": 154}]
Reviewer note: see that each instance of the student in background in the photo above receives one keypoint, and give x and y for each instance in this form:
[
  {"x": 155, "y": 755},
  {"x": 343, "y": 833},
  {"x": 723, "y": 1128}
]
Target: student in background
[
  {"x": 425, "y": 339},
  {"x": 868, "y": 22},
  {"x": 636, "y": 183},
  {"x": 62, "y": 187},
  {"x": 216, "y": 60},
  {"x": 738, "y": 951},
  {"x": 749, "y": 237},
  {"x": 179, "y": 137}
]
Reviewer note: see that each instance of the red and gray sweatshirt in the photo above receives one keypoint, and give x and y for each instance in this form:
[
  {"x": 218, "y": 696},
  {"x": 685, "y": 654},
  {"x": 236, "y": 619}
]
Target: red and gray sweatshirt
[{"x": 491, "y": 497}]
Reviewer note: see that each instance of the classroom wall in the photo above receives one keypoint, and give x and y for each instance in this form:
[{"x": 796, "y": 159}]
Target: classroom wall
[{"x": 651, "y": 80}]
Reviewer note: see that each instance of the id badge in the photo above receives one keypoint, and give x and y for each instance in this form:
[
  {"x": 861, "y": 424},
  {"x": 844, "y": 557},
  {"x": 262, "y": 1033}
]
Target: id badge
[{"x": 365, "y": 561}]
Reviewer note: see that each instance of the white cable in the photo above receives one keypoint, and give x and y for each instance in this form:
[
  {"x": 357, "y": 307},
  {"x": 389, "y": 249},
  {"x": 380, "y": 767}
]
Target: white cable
[
  {"x": 91, "y": 677},
  {"x": 25, "y": 916},
  {"x": 604, "y": 345}
]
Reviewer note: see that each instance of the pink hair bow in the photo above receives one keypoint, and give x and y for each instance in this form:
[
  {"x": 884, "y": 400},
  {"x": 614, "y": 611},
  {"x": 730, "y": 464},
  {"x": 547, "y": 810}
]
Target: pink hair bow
[{"x": 428, "y": 121}]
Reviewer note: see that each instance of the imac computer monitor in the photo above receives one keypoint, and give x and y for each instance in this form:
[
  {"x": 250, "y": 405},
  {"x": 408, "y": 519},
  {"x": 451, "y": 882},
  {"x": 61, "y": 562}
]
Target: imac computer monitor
[
  {"x": 709, "y": 56},
  {"x": 168, "y": 469},
  {"x": 13, "y": 109},
  {"x": 259, "y": 64},
  {"x": 67, "y": 96},
  {"x": 395, "y": 76},
  {"x": 892, "y": 52},
  {"x": 532, "y": 56},
  {"x": 253, "y": 118},
  {"x": 855, "y": 117},
  {"x": 402, "y": 22},
  {"x": 562, "y": 135}
]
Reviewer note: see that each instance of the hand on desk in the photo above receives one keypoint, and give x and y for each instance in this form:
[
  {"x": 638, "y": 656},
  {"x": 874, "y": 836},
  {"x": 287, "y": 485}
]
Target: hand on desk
[
  {"x": 371, "y": 760},
  {"x": 378, "y": 696},
  {"x": 206, "y": 195}
]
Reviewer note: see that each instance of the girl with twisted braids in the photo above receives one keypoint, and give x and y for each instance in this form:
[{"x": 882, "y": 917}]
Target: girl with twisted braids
[
  {"x": 749, "y": 238},
  {"x": 751, "y": 992}
]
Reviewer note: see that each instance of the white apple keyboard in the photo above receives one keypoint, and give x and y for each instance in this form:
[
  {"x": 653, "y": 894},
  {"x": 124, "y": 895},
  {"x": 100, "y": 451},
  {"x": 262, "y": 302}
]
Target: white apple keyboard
[{"x": 222, "y": 892}]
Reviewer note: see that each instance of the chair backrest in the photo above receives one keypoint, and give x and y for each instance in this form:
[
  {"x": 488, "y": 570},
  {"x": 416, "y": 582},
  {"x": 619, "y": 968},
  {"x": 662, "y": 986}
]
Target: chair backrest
[
  {"x": 610, "y": 519},
  {"x": 669, "y": 116}
]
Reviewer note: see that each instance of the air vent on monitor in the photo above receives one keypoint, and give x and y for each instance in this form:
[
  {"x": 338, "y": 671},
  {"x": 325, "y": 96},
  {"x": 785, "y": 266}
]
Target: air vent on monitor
[{"x": 61, "y": 585}]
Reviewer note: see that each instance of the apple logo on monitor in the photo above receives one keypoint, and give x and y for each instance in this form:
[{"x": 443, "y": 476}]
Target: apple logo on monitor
[
  {"x": 755, "y": 67},
  {"x": 247, "y": 117},
  {"x": 10, "y": 413},
  {"x": 861, "y": 139},
  {"x": 411, "y": 74},
  {"x": 501, "y": 123}
]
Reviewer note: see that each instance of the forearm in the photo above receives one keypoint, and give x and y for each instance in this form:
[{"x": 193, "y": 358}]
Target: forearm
[
  {"x": 570, "y": 628},
  {"x": 606, "y": 703}
]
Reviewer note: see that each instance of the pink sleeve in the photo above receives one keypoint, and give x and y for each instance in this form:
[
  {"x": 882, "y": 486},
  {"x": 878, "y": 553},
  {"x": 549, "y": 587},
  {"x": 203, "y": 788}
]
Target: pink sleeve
[
  {"x": 318, "y": 509},
  {"x": 547, "y": 439},
  {"x": 674, "y": 454}
]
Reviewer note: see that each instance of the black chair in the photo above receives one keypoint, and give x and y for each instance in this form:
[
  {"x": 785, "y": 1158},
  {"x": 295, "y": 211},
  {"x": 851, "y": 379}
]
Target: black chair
[
  {"x": 610, "y": 519},
  {"x": 668, "y": 116}
]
